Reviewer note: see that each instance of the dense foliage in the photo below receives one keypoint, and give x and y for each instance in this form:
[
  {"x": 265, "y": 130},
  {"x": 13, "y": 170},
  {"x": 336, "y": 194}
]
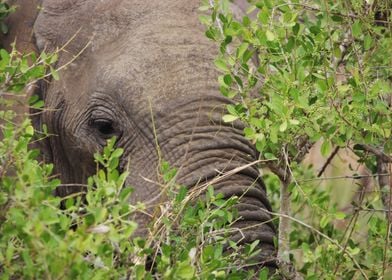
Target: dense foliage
[
  {"x": 88, "y": 235},
  {"x": 303, "y": 72}
]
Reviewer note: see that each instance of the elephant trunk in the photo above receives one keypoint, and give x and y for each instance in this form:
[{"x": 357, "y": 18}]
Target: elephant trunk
[
  {"x": 204, "y": 149},
  {"x": 254, "y": 222}
]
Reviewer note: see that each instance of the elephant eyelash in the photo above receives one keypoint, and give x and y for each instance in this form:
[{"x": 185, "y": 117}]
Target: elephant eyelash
[{"x": 104, "y": 126}]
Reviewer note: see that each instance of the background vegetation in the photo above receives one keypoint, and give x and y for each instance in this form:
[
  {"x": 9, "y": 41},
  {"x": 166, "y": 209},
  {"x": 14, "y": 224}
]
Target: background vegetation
[
  {"x": 304, "y": 72},
  {"x": 301, "y": 72}
]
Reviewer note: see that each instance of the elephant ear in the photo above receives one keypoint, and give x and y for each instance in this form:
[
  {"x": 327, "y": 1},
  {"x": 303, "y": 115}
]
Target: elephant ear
[
  {"x": 61, "y": 20},
  {"x": 36, "y": 116},
  {"x": 20, "y": 31},
  {"x": 20, "y": 26}
]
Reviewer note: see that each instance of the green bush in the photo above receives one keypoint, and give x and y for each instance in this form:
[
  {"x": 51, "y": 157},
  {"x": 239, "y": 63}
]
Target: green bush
[
  {"x": 88, "y": 235},
  {"x": 49, "y": 237},
  {"x": 302, "y": 72}
]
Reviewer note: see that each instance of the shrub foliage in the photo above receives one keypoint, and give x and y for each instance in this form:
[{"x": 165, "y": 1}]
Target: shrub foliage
[
  {"x": 89, "y": 235},
  {"x": 303, "y": 72},
  {"x": 300, "y": 72}
]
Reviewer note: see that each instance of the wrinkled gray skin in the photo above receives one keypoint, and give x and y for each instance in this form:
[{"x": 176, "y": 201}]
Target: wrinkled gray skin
[{"x": 148, "y": 62}]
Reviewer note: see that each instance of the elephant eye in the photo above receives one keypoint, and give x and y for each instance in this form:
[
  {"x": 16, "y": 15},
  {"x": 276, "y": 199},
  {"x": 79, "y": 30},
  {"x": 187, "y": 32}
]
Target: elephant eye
[{"x": 104, "y": 127}]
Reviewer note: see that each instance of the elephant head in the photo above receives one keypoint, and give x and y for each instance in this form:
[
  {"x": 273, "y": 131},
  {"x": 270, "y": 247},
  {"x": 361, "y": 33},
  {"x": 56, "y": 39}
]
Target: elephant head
[{"x": 146, "y": 76}]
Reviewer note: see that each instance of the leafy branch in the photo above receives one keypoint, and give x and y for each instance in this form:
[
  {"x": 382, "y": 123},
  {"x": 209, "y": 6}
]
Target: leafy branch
[{"x": 314, "y": 81}]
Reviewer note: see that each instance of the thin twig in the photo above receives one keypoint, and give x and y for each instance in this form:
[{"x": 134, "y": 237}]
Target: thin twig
[
  {"x": 343, "y": 177},
  {"x": 353, "y": 223},
  {"x": 372, "y": 210},
  {"x": 329, "y": 159},
  {"x": 334, "y": 242},
  {"x": 387, "y": 239},
  {"x": 377, "y": 152},
  {"x": 285, "y": 209},
  {"x": 73, "y": 185}
]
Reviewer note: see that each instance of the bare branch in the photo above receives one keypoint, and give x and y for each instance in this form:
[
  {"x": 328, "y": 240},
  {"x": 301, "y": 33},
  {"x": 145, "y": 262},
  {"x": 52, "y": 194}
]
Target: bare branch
[
  {"x": 333, "y": 241},
  {"x": 284, "y": 224},
  {"x": 377, "y": 152},
  {"x": 344, "y": 177},
  {"x": 385, "y": 186},
  {"x": 329, "y": 159}
]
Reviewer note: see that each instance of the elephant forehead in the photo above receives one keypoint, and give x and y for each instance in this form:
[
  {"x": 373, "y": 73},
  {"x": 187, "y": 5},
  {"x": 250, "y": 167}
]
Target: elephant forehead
[
  {"x": 140, "y": 55},
  {"x": 153, "y": 66},
  {"x": 135, "y": 74},
  {"x": 102, "y": 21}
]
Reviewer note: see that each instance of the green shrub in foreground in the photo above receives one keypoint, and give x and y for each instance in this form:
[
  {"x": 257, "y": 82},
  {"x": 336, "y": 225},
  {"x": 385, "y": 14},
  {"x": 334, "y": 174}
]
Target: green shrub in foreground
[
  {"x": 43, "y": 236},
  {"x": 88, "y": 235}
]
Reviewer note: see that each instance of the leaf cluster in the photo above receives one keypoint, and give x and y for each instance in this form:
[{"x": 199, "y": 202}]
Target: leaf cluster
[
  {"x": 90, "y": 234},
  {"x": 303, "y": 72}
]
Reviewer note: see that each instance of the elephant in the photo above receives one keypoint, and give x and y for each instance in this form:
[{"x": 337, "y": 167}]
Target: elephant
[{"x": 144, "y": 73}]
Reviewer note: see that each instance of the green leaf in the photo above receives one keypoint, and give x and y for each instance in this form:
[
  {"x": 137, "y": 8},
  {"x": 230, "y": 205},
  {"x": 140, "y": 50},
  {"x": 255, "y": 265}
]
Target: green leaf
[
  {"x": 231, "y": 109},
  {"x": 354, "y": 251},
  {"x": 30, "y": 130},
  {"x": 269, "y": 156},
  {"x": 4, "y": 56},
  {"x": 54, "y": 73},
  {"x": 356, "y": 29},
  {"x": 139, "y": 271},
  {"x": 117, "y": 153},
  {"x": 23, "y": 66},
  {"x": 204, "y": 8},
  {"x": 263, "y": 275},
  {"x": 260, "y": 145},
  {"x": 283, "y": 126},
  {"x": 221, "y": 65},
  {"x": 241, "y": 50},
  {"x": 247, "y": 55},
  {"x": 274, "y": 134},
  {"x": 340, "y": 215},
  {"x": 227, "y": 79},
  {"x": 324, "y": 221},
  {"x": 206, "y": 20},
  {"x": 229, "y": 118},
  {"x": 326, "y": 148},
  {"x": 3, "y": 27},
  {"x": 337, "y": 18},
  {"x": 264, "y": 15},
  {"x": 367, "y": 42},
  {"x": 270, "y": 35},
  {"x": 53, "y": 58}
]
